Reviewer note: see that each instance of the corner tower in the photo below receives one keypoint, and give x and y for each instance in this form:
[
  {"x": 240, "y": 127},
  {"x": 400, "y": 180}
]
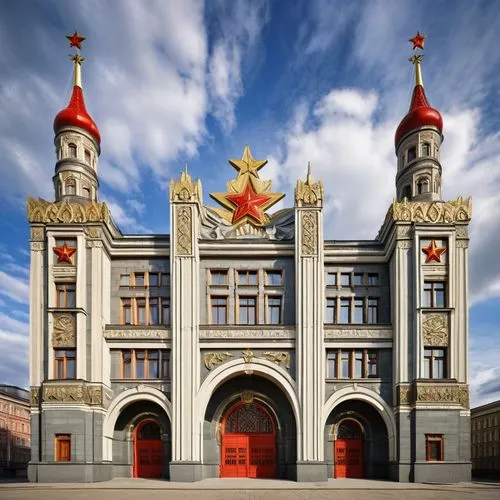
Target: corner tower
[
  {"x": 77, "y": 141},
  {"x": 418, "y": 140}
]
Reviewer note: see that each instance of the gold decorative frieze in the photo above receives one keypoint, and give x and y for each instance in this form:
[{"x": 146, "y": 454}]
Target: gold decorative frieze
[
  {"x": 257, "y": 334},
  {"x": 280, "y": 358},
  {"x": 404, "y": 395},
  {"x": 37, "y": 233},
  {"x": 435, "y": 329},
  {"x": 73, "y": 393},
  {"x": 247, "y": 355},
  {"x": 185, "y": 189},
  {"x": 34, "y": 396},
  {"x": 443, "y": 394},
  {"x": 309, "y": 193},
  {"x": 93, "y": 232},
  {"x": 136, "y": 334},
  {"x": 67, "y": 213},
  {"x": 309, "y": 233},
  {"x": 64, "y": 330},
  {"x": 212, "y": 359},
  {"x": 458, "y": 210},
  {"x": 348, "y": 333},
  {"x": 183, "y": 231}
]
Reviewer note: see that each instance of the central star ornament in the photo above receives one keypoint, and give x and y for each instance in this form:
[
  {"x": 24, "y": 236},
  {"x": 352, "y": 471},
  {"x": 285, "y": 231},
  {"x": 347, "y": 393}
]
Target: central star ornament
[
  {"x": 433, "y": 253},
  {"x": 247, "y": 165},
  {"x": 418, "y": 41},
  {"x": 75, "y": 40},
  {"x": 64, "y": 253}
]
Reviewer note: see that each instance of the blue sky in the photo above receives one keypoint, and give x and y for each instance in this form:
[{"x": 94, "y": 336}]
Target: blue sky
[{"x": 170, "y": 82}]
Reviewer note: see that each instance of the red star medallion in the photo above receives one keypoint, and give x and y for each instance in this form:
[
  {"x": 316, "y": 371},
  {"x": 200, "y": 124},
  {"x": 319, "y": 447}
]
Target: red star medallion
[
  {"x": 418, "y": 41},
  {"x": 75, "y": 40},
  {"x": 433, "y": 253},
  {"x": 248, "y": 203},
  {"x": 64, "y": 253}
]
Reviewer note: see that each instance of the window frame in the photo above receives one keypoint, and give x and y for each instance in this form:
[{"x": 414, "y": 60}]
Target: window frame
[
  {"x": 434, "y": 438},
  {"x": 219, "y": 272},
  {"x": 217, "y": 307},
  {"x": 247, "y": 307},
  {"x": 332, "y": 274},
  {"x": 275, "y": 272},
  {"x": 338, "y": 356},
  {"x": 64, "y": 359},
  {"x": 162, "y": 361},
  {"x": 247, "y": 273},
  {"x": 66, "y": 294},
  {"x": 269, "y": 298},
  {"x": 431, "y": 358},
  {"x": 432, "y": 294},
  {"x": 58, "y": 440}
]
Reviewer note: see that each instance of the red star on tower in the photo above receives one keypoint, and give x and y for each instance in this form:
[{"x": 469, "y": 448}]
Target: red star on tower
[
  {"x": 75, "y": 40},
  {"x": 418, "y": 41},
  {"x": 433, "y": 253},
  {"x": 248, "y": 203},
  {"x": 64, "y": 253}
]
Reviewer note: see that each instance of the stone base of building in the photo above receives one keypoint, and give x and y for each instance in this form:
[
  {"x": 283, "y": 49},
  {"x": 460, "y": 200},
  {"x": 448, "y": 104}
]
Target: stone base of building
[
  {"x": 185, "y": 472},
  {"x": 441, "y": 472},
  {"x": 52, "y": 472},
  {"x": 400, "y": 472},
  {"x": 308, "y": 472}
]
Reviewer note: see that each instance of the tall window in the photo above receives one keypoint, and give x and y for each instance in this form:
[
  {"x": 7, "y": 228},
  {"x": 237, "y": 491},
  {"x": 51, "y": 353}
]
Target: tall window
[
  {"x": 87, "y": 157},
  {"x": 345, "y": 280},
  {"x": 358, "y": 279},
  {"x": 434, "y": 447},
  {"x": 219, "y": 310},
  {"x": 72, "y": 150},
  {"x": 65, "y": 363},
  {"x": 248, "y": 308},
  {"x": 332, "y": 364},
  {"x": 274, "y": 310},
  {"x": 426, "y": 149},
  {"x": 65, "y": 295},
  {"x": 274, "y": 278},
  {"x": 62, "y": 448},
  {"x": 345, "y": 305},
  {"x": 358, "y": 311},
  {"x": 406, "y": 192},
  {"x": 331, "y": 279},
  {"x": 218, "y": 277},
  {"x": 434, "y": 363},
  {"x": 331, "y": 310},
  {"x": 139, "y": 279},
  {"x": 411, "y": 154},
  {"x": 165, "y": 310},
  {"x": 144, "y": 364},
  {"x": 247, "y": 278},
  {"x": 126, "y": 312},
  {"x": 434, "y": 294},
  {"x": 141, "y": 311},
  {"x": 372, "y": 279},
  {"x": 372, "y": 316},
  {"x": 124, "y": 279},
  {"x": 372, "y": 364},
  {"x": 70, "y": 187},
  {"x": 358, "y": 364},
  {"x": 154, "y": 279},
  {"x": 154, "y": 311},
  {"x": 345, "y": 371}
]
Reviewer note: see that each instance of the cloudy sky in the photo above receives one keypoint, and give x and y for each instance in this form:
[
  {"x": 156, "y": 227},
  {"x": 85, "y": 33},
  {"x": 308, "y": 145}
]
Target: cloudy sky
[{"x": 170, "y": 82}]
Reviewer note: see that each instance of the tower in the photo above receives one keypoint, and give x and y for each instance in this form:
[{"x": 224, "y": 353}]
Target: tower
[
  {"x": 418, "y": 140},
  {"x": 77, "y": 141}
]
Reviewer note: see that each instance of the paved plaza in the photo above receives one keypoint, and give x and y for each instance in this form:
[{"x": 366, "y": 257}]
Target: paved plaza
[{"x": 249, "y": 489}]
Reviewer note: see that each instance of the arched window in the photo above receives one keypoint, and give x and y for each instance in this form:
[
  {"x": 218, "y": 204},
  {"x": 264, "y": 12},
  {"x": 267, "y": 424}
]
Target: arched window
[
  {"x": 426, "y": 149},
  {"x": 70, "y": 187},
  {"x": 72, "y": 150},
  {"x": 86, "y": 192},
  {"x": 423, "y": 186},
  {"x": 406, "y": 192},
  {"x": 411, "y": 154},
  {"x": 87, "y": 157}
]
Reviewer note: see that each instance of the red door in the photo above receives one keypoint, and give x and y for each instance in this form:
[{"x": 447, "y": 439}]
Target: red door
[
  {"x": 348, "y": 449},
  {"x": 148, "y": 450},
  {"x": 248, "y": 442}
]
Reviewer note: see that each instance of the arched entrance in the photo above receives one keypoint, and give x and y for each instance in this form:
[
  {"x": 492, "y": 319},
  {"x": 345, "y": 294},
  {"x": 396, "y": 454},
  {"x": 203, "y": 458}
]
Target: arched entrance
[
  {"x": 349, "y": 450},
  {"x": 148, "y": 449},
  {"x": 248, "y": 442}
]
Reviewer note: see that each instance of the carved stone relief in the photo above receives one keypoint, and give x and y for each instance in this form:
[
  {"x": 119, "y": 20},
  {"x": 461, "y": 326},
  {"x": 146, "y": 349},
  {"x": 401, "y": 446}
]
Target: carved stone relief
[
  {"x": 74, "y": 393},
  {"x": 212, "y": 359},
  {"x": 404, "y": 244},
  {"x": 184, "y": 225},
  {"x": 435, "y": 330},
  {"x": 37, "y": 233},
  {"x": 247, "y": 397},
  {"x": 361, "y": 333},
  {"x": 309, "y": 193},
  {"x": 462, "y": 232},
  {"x": 64, "y": 330},
  {"x": 403, "y": 231},
  {"x": 94, "y": 244},
  {"x": 66, "y": 213},
  {"x": 248, "y": 334},
  {"x": 462, "y": 243},
  {"x": 404, "y": 395},
  {"x": 137, "y": 334},
  {"x": 37, "y": 246},
  {"x": 185, "y": 189},
  {"x": 34, "y": 396},
  {"x": 93, "y": 232},
  {"x": 280, "y": 358},
  {"x": 247, "y": 355},
  {"x": 309, "y": 233},
  {"x": 442, "y": 394}
]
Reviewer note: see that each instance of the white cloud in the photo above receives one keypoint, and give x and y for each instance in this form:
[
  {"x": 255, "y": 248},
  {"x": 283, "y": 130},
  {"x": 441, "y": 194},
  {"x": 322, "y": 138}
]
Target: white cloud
[
  {"x": 124, "y": 219},
  {"x": 14, "y": 341},
  {"x": 137, "y": 206},
  {"x": 14, "y": 288}
]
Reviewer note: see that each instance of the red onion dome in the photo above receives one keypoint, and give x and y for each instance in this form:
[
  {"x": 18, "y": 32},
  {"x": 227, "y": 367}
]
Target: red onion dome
[{"x": 76, "y": 115}]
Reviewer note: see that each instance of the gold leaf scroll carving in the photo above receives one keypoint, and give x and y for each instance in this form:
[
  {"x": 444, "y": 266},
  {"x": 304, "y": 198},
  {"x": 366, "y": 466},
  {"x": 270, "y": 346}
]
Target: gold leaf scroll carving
[
  {"x": 458, "y": 210},
  {"x": 72, "y": 394},
  {"x": 435, "y": 329},
  {"x": 309, "y": 233},
  {"x": 184, "y": 243},
  {"x": 64, "y": 332},
  {"x": 64, "y": 212},
  {"x": 212, "y": 359},
  {"x": 280, "y": 358}
]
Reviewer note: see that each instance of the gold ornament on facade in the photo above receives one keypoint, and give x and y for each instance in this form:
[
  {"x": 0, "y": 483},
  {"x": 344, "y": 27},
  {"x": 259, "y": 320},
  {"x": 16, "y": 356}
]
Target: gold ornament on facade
[
  {"x": 37, "y": 233},
  {"x": 444, "y": 394},
  {"x": 66, "y": 213},
  {"x": 435, "y": 329},
  {"x": 185, "y": 190},
  {"x": 183, "y": 231},
  {"x": 247, "y": 397},
  {"x": 35, "y": 396},
  {"x": 212, "y": 359},
  {"x": 247, "y": 355},
  {"x": 93, "y": 232},
  {"x": 64, "y": 331},
  {"x": 280, "y": 358},
  {"x": 309, "y": 233},
  {"x": 309, "y": 193},
  {"x": 404, "y": 395},
  {"x": 80, "y": 393}
]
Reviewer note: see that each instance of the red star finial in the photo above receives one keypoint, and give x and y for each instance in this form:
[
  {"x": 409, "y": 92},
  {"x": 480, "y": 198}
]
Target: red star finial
[
  {"x": 75, "y": 40},
  {"x": 248, "y": 203},
  {"x": 433, "y": 252},
  {"x": 64, "y": 253},
  {"x": 418, "y": 41}
]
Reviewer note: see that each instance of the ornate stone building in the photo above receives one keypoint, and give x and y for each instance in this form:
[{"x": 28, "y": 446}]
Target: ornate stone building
[
  {"x": 245, "y": 343},
  {"x": 485, "y": 437}
]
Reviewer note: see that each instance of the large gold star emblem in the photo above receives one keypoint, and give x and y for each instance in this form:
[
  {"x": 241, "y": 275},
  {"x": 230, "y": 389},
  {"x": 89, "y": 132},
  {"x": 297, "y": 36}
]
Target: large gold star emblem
[
  {"x": 247, "y": 165},
  {"x": 433, "y": 253}
]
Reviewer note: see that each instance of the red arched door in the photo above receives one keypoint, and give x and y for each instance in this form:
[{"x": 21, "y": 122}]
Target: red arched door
[
  {"x": 148, "y": 449},
  {"x": 348, "y": 448},
  {"x": 248, "y": 442}
]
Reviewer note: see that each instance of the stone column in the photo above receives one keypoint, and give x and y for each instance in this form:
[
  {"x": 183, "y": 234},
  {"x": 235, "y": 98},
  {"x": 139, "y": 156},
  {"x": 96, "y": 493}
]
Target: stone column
[
  {"x": 309, "y": 271},
  {"x": 185, "y": 198}
]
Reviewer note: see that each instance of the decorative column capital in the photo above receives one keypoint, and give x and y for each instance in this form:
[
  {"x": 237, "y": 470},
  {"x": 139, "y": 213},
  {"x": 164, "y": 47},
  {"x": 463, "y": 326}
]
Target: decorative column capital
[
  {"x": 185, "y": 190},
  {"x": 309, "y": 193}
]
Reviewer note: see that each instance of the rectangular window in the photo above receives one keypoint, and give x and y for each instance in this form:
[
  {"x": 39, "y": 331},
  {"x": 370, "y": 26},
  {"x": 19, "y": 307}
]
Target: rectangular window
[
  {"x": 372, "y": 364},
  {"x": 65, "y": 295},
  {"x": 218, "y": 277},
  {"x": 141, "y": 311},
  {"x": 248, "y": 309},
  {"x": 124, "y": 279},
  {"x": 154, "y": 279},
  {"x": 372, "y": 316},
  {"x": 344, "y": 364},
  {"x": 165, "y": 278},
  {"x": 153, "y": 365},
  {"x": 358, "y": 311},
  {"x": 345, "y": 305},
  {"x": 139, "y": 279},
  {"x": 140, "y": 359},
  {"x": 65, "y": 363},
  {"x": 331, "y": 279},
  {"x": 247, "y": 278},
  {"x": 154, "y": 312},
  {"x": 274, "y": 278},
  {"x": 165, "y": 310},
  {"x": 274, "y": 310},
  {"x": 332, "y": 364},
  {"x": 434, "y": 446},
  {"x": 331, "y": 311},
  {"x": 345, "y": 280},
  {"x": 144, "y": 364},
  {"x": 219, "y": 310},
  {"x": 434, "y": 294},
  {"x": 372, "y": 279},
  {"x": 126, "y": 312},
  {"x": 358, "y": 364},
  {"x": 63, "y": 447},
  {"x": 127, "y": 364},
  {"x": 411, "y": 154},
  {"x": 434, "y": 363},
  {"x": 358, "y": 279}
]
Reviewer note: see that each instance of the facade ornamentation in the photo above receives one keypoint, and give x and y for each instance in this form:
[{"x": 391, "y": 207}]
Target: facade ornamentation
[
  {"x": 247, "y": 355},
  {"x": 309, "y": 193},
  {"x": 184, "y": 230},
  {"x": 185, "y": 189},
  {"x": 93, "y": 232},
  {"x": 37, "y": 246},
  {"x": 462, "y": 231},
  {"x": 37, "y": 233},
  {"x": 404, "y": 395},
  {"x": 67, "y": 213},
  {"x": 288, "y": 333},
  {"x": 435, "y": 329},
  {"x": 462, "y": 243},
  {"x": 309, "y": 233},
  {"x": 35, "y": 396},
  {"x": 404, "y": 244},
  {"x": 442, "y": 394},
  {"x": 247, "y": 397},
  {"x": 133, "y": 334},
  {"x": 338, "y": 333},
  {"x": 94, "y": 244},
  {"x": 63, "y": 271},
  {"x": 74, "y": 393},
  {"x": 459, "y": 210},
  {"x": 280, "y": 358},
  {"x": 64, "y": 331},
  {"x": 212, "y": 359},
  {"x": 404, "y": 231}
]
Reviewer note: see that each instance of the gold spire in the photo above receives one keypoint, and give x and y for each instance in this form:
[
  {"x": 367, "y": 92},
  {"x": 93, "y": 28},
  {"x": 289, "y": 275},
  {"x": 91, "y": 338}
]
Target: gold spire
[
  {"x": 417, "y": 61},
  {"x": 77, "y": 70}
]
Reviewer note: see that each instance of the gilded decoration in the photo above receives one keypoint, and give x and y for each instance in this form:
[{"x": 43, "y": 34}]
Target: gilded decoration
[
  {"x": 309, "y": 233},
  {"x": 404, "y": 395},
  {"x": 185, "y": 189},
  {"x": 37, "y": 246},
  {"x": 248, "y": 334},
  {"x": 341, "y": 333},
  {"x": 247, "y": 355},
  {"x": 212, "y": 359},
  {"x": 67, "y": 213},
  {"x": 35, "y": 396},
  {"x": 183, "y": 227},
  {"x": 309, "y": 193},
  {"x": 93, "y": 232},
  {"x": 37, "y": 233},
  {"x": 442, "y": 394},
  {"x": 137, "y": 334},
  {"x": 458, "y": 210},
  {"x": 280, "y": 358},
  {"x": 435, "y": 329},
  {"x": 64, "y": 330},
  {"x": 74, "y": 393}
]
